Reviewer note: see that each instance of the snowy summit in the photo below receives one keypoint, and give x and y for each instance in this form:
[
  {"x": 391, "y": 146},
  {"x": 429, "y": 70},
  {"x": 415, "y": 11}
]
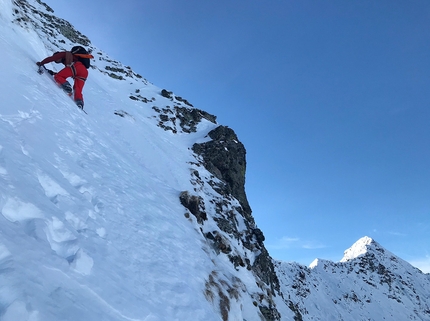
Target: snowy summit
[
  {"x": 137, "y": 210},
  {"x": 358, "y": 248}
]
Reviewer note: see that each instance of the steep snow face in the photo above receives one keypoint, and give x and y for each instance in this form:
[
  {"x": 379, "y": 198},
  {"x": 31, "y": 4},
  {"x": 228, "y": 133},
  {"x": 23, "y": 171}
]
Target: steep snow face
[{"x": 91, "y": 223}]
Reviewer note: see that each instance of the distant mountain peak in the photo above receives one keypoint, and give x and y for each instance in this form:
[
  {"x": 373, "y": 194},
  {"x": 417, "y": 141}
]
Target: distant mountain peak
[
  {"x": 359, "y": 248},
  {"x": 370, "y": 283}
]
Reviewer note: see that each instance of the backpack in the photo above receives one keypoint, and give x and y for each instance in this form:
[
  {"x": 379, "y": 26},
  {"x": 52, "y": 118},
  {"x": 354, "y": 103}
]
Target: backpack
[{"x": 83, "y": 55}]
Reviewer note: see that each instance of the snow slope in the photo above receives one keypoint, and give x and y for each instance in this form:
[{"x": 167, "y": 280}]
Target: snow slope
[
  {"x": 91, "y": 226},
  {"x": 92, "y": 221}
]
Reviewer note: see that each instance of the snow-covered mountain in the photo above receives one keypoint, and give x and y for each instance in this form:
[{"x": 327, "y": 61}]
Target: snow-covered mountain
[
  {"x": 369, "y": 283},
  {"x": 137, "y": 211}
]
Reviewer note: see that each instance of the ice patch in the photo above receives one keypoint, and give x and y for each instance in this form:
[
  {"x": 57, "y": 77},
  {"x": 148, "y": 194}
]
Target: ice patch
[{"x": 16, "y": 210}]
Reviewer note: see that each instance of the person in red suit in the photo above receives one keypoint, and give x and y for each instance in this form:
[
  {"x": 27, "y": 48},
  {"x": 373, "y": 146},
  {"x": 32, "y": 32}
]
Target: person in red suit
[{"x": 73, "y": 68}]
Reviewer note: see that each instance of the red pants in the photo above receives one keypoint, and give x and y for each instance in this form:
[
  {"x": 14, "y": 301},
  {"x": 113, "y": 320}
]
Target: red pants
[{"x": 78, "y": 77}]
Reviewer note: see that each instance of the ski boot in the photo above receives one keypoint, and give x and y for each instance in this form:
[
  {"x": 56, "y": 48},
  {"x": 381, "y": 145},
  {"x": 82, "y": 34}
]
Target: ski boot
[
  {"x": 79, "y": 103},
  {"x": 67, "y": 88}
]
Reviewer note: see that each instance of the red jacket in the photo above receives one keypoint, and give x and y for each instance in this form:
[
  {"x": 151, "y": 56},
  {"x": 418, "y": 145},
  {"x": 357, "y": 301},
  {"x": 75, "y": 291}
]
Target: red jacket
[{"x": 64, "y": 57}]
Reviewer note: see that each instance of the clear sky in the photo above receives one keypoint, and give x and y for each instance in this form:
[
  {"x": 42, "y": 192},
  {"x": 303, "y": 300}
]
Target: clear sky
[{"x": 330, "y": 98}]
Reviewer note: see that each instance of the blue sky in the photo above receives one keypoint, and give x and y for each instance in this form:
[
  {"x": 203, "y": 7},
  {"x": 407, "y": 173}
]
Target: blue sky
[{"x": 330, "y": 99}]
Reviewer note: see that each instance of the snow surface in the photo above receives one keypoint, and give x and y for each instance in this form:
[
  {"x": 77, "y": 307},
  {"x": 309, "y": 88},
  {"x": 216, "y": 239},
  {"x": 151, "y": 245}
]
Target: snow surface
[{"x": 91, "y": 227}]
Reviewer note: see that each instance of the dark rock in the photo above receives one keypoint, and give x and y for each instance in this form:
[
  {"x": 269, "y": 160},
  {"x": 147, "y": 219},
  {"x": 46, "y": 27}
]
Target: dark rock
[
  {"x": 194, "y": 204},
  {"x": 166, "y": 94},
  {"x": 259, "y": 236},
  {"x": 265, "y": 270},
  {"x": 184, "y": 119},
  {"x": 224, "y": 157},
  {"x": 269, "y": 313}
]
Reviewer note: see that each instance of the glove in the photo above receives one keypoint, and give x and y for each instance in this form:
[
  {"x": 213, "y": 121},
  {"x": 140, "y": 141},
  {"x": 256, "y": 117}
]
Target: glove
[{"x": 39, "y": 64}]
